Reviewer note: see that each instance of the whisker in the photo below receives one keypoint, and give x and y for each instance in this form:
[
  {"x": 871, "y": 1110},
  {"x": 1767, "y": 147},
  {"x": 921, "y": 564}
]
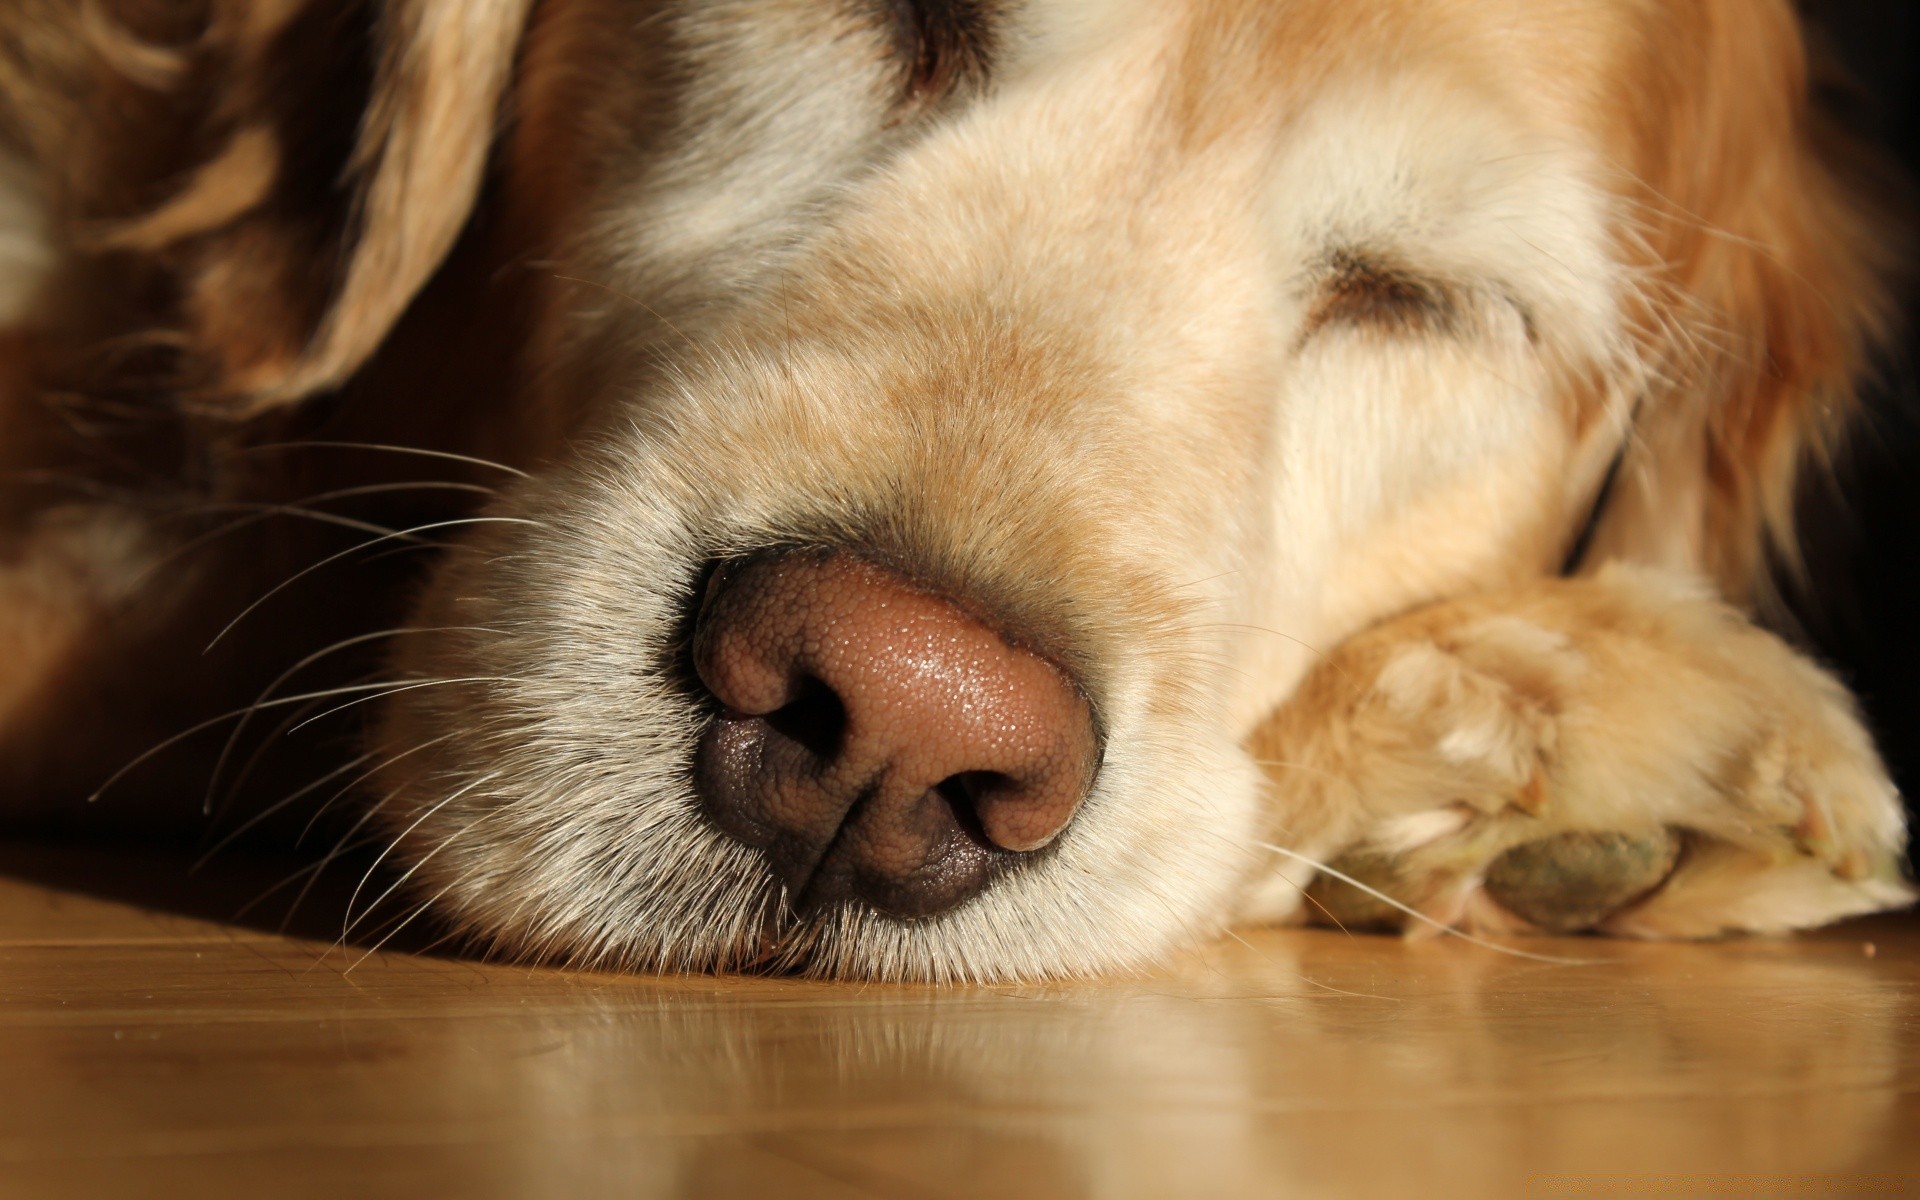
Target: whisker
[
  {"x": 310, "y": 869},
  {"x": 1417, "y": 915},
  {"x": 395, "y": 886},
  {"x": 260, "y": 752},
  {"x": 347, "y": 929},
  {"x": 1304, "y": 893},
  {"x": 396, "y": 551},
  {"x": 423, "y": 907},
  {"x": 392, "y": 933},
  {"x": 344, "y": 845},
  {"x": 362, "y": 778},
  {"x": 1295, "y": 766},
  {"x": 1316, "y": 651},
  {"x": 301, "y": 505},
  {"x": 333, "y": 558},
  {"x": 1192, "y": 584},
  {"x": 452, "y": 934},
  {"x": 713, "y": 363},
  {"x": 219, "y": 766},
  {"x": 1309, "y": 897},
  {"x": 258, "y": 512},
  {"x": 380, "y": 447},
  {"x": 277, "y": 806},
  {"x": 1304, "y": 977},
  {"x": 397, "y": 689},
  {"x": 210, "y": 722}
]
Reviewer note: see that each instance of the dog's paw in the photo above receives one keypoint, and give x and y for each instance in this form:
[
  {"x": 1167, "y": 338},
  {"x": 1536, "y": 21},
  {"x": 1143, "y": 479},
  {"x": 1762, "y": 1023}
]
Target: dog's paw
[{"x": 1620, "y": 754}]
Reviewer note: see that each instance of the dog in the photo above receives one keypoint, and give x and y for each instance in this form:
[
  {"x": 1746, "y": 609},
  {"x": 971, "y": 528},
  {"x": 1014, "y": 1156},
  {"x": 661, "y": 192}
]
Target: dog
[{"x": 942, "y": 489}]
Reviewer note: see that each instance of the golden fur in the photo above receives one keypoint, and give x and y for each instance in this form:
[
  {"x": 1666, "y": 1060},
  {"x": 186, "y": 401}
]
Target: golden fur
[{"x": 1261, "y": 362}]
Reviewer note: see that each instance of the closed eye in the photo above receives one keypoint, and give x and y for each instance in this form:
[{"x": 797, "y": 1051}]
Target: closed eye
[
  {"x": 1353, "y": 288},
  {"x": 943, "y": 45}
]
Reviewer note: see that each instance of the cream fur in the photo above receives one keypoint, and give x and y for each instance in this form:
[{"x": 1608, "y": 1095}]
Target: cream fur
[
  {"x": 1058, "y": 352},
  {"x": 1260, "y": 362},
  {"x": 1630, "y": 702}
]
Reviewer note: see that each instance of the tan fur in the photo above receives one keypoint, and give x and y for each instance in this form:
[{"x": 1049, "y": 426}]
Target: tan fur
[
  {"x": 1256, "y": 361},
  {"x": 1629, "y": 702},
  {"x": 1768, "y": 271}
]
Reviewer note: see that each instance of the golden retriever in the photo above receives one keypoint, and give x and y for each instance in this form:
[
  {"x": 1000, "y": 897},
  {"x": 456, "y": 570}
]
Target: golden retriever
[{"x": 941, "y": 489}]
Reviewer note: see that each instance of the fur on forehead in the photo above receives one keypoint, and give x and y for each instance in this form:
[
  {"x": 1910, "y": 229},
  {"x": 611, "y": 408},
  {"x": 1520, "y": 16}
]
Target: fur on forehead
[
  {"x": 1747, "y": 225},
  {"x": 213, "y": 195},
  {"x": 1751, "y": 274}
]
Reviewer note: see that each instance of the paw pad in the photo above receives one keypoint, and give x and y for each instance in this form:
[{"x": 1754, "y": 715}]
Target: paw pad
[
  {"x": 1563, "y": 883},
  {"x": 1333, "y": 901},
  {"x": 1573, "y": 881}
]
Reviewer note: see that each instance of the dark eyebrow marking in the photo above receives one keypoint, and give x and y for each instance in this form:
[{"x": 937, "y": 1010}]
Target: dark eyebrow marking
[
  {"x": 1359, "y": 288},
  {"x": 945, "y": 45}
]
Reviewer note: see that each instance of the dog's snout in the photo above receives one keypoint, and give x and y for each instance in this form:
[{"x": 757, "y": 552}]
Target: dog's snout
[{"x": 878, "y": 741}]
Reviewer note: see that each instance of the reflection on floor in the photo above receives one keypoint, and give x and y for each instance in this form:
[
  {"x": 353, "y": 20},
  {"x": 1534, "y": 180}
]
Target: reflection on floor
[{"x": 148, "y": 1052}]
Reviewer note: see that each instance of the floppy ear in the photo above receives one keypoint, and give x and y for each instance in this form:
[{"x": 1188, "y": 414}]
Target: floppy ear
[
  {"x": 285, "y": 175},
  {"x": 1764, "y": 294},
  {"x": 419, "y": 160}
]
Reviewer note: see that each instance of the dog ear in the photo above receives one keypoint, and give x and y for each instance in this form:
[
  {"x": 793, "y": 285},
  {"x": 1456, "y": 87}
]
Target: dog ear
[
  {"x": 418, "y": 164},
  {"x": 274, "y": 179},
  {"x": 1764, "y": 294}
]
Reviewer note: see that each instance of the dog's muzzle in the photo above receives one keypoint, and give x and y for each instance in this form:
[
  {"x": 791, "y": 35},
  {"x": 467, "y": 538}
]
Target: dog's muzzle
[{"x": 877, "y": 741}]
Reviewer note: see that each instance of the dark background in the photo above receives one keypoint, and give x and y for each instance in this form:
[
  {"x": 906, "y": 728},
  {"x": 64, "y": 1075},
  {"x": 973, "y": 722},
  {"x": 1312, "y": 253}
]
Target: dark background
[{"x": 1861, "y": 530}]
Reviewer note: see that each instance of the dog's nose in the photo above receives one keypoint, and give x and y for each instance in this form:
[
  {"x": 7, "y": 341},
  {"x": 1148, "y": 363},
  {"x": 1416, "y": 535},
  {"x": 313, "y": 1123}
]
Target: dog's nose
[{"x": 878, "y": 741}]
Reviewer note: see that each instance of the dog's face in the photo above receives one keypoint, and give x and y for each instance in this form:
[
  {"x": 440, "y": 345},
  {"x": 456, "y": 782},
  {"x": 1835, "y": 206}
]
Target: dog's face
[
  {"x": 1168, "y": 341},
  {"x": 1076, "y": 373}
]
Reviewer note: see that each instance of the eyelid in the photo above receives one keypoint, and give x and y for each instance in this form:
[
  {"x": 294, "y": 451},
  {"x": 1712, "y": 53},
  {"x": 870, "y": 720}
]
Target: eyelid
[{"x": 1362, "y": 289}]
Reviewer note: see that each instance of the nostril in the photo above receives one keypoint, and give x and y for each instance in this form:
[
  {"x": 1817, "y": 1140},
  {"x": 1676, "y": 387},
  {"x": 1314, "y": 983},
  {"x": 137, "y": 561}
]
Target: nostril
[
  {"x": 965, "y": 793},
  {"x": 1000, "y": 813},
  {"x": 815, "y": 718},
  {"x": 978, "y": 785}
]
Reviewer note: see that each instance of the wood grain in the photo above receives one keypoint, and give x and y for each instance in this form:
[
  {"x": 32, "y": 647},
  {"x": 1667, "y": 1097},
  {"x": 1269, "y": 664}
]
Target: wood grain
[{"x": 146, "y": 1051}]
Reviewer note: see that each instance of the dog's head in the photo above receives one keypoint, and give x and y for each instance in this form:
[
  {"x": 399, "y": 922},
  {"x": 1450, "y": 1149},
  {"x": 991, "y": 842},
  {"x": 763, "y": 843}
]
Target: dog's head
[{"x": 977, "y": 414}]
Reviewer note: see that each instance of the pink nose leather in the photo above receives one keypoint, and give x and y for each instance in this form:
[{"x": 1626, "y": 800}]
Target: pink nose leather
[{"x": 878, "y": 741}]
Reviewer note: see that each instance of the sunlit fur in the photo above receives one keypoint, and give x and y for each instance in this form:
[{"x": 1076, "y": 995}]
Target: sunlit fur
[
  {"x": 1629, "y": 702},
  {"x": 1081, "y": 345}
]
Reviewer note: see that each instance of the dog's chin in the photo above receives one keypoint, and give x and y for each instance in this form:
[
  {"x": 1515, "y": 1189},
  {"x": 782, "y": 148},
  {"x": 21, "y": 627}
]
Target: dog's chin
[{"x": 541, "y": 801}]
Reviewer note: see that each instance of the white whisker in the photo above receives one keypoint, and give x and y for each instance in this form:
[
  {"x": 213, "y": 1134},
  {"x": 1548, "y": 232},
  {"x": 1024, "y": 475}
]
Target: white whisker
[
  {"x": 360, "y": 779},
  {"x": 392, "y": 933},
  {"x": 347, "y": 928},
  {"x": 260, "y": 511},
  {"x": 260, "y": 752},
  {"x": 277, "y": 806},
  {"x": 233, "y": 739},
  {"x": 412, "y": 685},
  {"x": 333, "y": 558},
  {"x": 444, "y": 455},
  {"x": 342, "y": 845},
  {"x": 311, "y": 869},
  {"x": 422, "y": 861},
  {"x": 1417, "y": 915},
  {"x": 210, "y": 722}
]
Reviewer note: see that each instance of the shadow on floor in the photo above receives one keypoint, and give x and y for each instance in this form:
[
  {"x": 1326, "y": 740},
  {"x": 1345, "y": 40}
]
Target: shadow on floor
[{"x": 302, "y": 896}]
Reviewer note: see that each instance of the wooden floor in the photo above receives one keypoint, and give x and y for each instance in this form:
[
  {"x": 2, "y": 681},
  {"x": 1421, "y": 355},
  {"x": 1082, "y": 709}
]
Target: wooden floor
[{"x": 146, "y": 1052}]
